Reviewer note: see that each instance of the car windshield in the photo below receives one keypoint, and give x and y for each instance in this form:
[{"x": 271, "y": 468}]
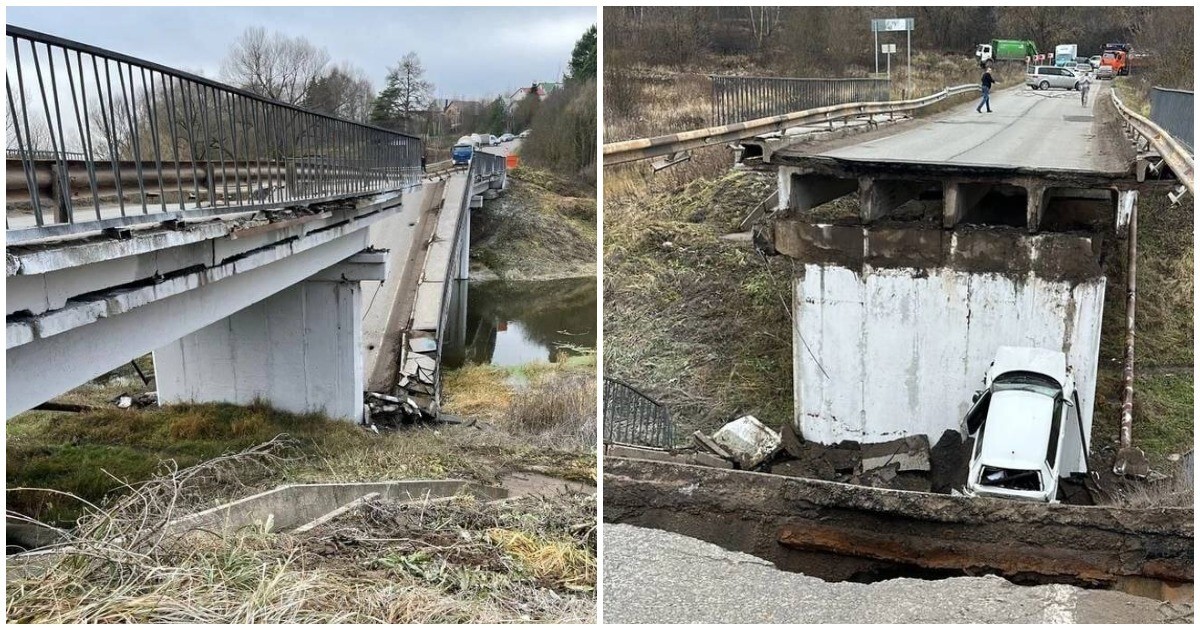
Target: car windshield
[{"x": 1026, "y": 381}]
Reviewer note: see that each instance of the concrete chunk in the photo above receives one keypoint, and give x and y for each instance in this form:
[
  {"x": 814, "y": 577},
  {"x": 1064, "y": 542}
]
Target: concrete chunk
[
  {"x": 907, "y": 453},
  {"x": 748, "y": 441}
]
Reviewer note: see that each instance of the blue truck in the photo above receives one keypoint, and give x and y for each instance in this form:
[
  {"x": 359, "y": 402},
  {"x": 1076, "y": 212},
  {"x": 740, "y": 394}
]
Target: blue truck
[{"x": 461, "y": 152}]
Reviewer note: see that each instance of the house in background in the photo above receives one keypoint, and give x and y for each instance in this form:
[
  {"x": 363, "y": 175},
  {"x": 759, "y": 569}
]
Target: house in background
[
  {"x": 456, "y": 111},
  {"x": 544, "y": 89}
]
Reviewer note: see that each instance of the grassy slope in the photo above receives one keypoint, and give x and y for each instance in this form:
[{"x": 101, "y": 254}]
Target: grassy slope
[
  {"x": 1163, "y": 392},
  {"x": 542, "y": 227},
  {"x": 698, "y": 322},
  {"x": 91, "y": 454}
]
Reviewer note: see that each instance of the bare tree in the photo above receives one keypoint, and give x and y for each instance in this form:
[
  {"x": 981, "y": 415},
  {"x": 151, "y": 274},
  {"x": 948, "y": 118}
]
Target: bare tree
[
  {"x": 274, "y": 65},
  {"x": 763, "y": 23},
  {"x": 344, "y": 91}
]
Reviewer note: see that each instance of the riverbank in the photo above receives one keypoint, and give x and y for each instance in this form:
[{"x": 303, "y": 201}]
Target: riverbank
[{"x": 542, "y": 228}]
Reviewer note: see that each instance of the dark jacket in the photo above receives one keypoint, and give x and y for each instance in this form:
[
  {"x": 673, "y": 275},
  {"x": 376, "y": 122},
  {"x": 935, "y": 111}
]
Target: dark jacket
[{"x": 987, "y": 80}]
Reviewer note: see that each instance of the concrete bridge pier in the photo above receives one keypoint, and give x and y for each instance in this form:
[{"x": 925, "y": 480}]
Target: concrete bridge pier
[{"x": 299, "y": 350}]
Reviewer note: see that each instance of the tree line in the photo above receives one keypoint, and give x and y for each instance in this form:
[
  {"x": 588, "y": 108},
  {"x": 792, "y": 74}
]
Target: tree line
[{"x": 802, "y": 41}]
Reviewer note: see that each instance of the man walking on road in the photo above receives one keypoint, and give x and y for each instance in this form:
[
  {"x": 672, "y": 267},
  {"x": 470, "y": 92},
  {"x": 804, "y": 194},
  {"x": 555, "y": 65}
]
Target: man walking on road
[{"x": 985, "y": 84}]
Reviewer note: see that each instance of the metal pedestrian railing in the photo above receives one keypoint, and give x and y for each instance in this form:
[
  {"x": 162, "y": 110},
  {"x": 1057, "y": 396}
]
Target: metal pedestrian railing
[
  {"x": 1174, "y": 111},
  {"x": 631, "y": 417},
  {"x": 98, "y": 139},
  {"x": 737, "y": 99}
]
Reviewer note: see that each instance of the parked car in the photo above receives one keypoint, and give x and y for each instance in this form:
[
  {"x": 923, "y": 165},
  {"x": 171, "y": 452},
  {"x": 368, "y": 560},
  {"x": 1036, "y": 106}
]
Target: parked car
[
  {"x": 508, "y": 137},
  {"x": 493, "y": 141},
  {"x": 524, "y": 134},
  {"x": 1095, "y": 61},
  {"x": 1020, "y": 422},
  {"x": 1072, "y": 66},
  {"x": 1045, "y": 77}
]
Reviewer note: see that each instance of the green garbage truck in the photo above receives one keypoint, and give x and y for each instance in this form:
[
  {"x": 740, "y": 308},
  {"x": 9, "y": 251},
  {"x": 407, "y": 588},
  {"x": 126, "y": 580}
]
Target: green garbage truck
[{"x": 1005, "y": 50}]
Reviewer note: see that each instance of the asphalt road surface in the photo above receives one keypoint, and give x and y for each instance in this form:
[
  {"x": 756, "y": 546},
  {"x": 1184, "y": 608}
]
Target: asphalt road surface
[
  {"x": 651, "y": 576},
  {"x": 1038, "y": 129}
]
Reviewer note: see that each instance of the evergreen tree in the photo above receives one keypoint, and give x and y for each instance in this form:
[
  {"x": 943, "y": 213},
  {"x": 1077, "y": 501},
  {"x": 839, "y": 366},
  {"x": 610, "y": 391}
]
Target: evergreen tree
[{"x": 583, "y": 57}]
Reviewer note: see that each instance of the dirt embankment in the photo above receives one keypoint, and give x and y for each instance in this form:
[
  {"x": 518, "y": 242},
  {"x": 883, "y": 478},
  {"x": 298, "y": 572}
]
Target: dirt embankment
[{"x": 542, "y": 228}]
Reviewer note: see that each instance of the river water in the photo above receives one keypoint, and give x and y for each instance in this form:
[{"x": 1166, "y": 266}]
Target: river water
[{"x": 513, "y": 323}]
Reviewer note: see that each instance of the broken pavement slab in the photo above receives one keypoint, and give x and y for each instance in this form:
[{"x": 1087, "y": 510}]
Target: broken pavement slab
[{"x": 748, "y": 441}]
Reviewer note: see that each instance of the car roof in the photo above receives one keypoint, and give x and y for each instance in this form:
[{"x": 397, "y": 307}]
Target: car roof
[{"x": 1017, "y": 430}]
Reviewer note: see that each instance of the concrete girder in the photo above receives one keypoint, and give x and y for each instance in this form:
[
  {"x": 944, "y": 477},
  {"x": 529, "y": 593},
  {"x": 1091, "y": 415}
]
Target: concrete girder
[
  {"x": 959, "y": 198},
  {"x": 133, "y": 323},
  {"x": 803, "y": 191},
  {"x": 878, "y": 197}
]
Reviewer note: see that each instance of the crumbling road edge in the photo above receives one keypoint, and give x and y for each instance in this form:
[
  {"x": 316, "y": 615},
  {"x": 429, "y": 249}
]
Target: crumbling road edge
[{"x": 815, "y": 526}]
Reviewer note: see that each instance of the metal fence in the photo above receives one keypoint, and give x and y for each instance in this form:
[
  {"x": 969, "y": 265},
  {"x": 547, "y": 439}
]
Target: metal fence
[
  {"x": 99, "y": 139},
  {"x": 1174, "y": 111},
  {"x": 631, "y": 417},
  {"x": 738, "y": 99}
]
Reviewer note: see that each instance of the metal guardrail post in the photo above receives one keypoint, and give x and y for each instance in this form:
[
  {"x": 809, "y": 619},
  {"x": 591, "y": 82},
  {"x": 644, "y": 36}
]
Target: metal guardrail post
[{"x": 155, "y": 144}]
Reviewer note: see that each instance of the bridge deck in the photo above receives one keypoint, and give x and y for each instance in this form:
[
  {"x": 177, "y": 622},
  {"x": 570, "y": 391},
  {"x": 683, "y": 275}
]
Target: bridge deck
[{"x": 1037, "y": 132}]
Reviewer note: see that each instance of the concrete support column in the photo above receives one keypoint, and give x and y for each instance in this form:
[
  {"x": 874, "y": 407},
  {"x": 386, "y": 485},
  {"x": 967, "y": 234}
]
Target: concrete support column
[
  {"x": 299, "y": 350},
  {"x": 959, "y": 198},
  {"x": 1035, "y": 207},
  {"x": 1126, "y": 200},
  {"x": 878, "y": 197}
]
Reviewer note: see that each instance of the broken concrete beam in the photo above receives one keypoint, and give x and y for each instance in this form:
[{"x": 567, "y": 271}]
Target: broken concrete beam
[
  {"x": 659, "y": 455},
  {"x": 907, "y": 453},
  {"x": 748, "y": 441},
  {"x": 707, "y": 443}
]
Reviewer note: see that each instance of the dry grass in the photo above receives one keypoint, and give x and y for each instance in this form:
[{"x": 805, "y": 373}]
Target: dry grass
[
  {"x": 121, "y": 565},
  {"x": 550, "y": 404},
  {"x": 697, "y": 322}
]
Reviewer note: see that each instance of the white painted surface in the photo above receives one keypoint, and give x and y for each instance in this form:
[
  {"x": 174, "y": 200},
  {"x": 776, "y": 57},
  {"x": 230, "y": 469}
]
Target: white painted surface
[
  {"x": 887, "y": 353},
  {"x": 41, "y": 368},
  {"x": 299, "y": 349}
]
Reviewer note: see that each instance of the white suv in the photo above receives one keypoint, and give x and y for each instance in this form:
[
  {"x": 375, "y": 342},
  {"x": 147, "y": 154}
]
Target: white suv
[
  {"x": 1020, "y": 421},
  {"x": 1045, "y": 77}
]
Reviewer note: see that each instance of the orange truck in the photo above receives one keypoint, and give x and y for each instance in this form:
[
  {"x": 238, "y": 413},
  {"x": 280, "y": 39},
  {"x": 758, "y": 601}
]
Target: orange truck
[{"x": 1114, "y": 61}]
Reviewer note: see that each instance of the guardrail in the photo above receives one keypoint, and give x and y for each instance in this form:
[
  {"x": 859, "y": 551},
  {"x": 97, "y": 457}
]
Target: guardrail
[
  {"x": 646, "y": 148},
  {"x": 1172, "y": 151},
  {"x": 735, "y": 99},
  {"x": 633, "y": 418},
  {"x": 98, "y": 139}
]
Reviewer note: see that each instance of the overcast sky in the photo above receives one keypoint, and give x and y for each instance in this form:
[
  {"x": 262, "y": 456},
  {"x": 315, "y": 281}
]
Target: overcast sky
[{"x": 467, "y": 51}]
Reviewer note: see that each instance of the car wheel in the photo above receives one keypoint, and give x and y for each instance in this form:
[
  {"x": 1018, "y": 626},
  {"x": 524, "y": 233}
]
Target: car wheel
[
  {"x": 1076, "y": 86},
  {"x": 1044, "y": 85}
]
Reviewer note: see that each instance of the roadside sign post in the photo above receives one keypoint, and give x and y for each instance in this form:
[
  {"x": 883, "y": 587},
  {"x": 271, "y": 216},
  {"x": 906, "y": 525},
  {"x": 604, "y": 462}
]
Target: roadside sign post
[
  {"x": 889, "y": 50},
  {"x": 894, "y": 25}
]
